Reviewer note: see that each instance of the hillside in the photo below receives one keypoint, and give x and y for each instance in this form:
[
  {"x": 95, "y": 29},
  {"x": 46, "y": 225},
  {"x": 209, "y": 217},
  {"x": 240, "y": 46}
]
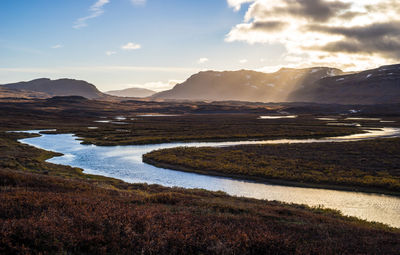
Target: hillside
[
  {"x": 376, "y": 86},
  {"x": 23, "y": 94},
  {"x": 61, "y": 87},
  {"x": 315, "y": 85},
  {"x": 245, "y": 85},
  {"x": 131, "y": 92}
]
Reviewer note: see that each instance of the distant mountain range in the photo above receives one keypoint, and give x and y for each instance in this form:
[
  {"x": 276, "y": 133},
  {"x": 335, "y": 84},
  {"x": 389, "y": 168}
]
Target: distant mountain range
[
  {"x": 246, "y": 85},
  {"x": 131, "y": 92},
  {"x": 318, "y": 84},
  {"x": 62, "y": 87},
  {"x": 315, "y": 85}
]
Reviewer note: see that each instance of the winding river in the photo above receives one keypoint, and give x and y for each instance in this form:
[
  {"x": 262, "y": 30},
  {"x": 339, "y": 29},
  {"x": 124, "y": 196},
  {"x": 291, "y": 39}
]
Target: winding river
[{"x": 125, "y": 163}]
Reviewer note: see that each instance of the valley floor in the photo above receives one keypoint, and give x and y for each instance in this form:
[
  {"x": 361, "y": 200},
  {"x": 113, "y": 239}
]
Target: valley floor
[{"x": 47, "y": 208}]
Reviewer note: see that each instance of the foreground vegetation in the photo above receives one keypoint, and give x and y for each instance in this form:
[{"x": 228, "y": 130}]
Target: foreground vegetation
[
  {"x": 47, "y": 208},
  {"x": 55, "y": 209},
  {"x": 366, "y": 165}
]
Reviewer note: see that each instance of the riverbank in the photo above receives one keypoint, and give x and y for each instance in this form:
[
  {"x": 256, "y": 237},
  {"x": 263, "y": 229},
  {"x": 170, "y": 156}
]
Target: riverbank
[
  {"x": 367, "y": 166},
  {"x": 262, "y": 180}
]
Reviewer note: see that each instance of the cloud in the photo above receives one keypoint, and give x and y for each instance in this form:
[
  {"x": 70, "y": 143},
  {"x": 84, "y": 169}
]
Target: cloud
[
  {"x": 367, "y": 32},
  {"x": 57, "y": 46},
  {"x": 202, "y": 60},
  {"x": 156, "y": 85},
  {"x": 109, "y": 53},
  {"x": 243, "y": 61},
  {"x": 317, "y": 10},
  {"x": 131, "y": 46},
  {"x": 237, "y": 4},
  {"x": 341, "y": 33},
  {"x": 379, "y": 37},
  {"x": 272, "y": 25},
  {"x": 95, "y": 10}
]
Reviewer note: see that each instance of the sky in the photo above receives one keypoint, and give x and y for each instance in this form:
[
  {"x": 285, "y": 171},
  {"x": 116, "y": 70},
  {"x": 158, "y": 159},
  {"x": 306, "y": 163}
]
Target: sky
[{"x": 155, "y": 44}]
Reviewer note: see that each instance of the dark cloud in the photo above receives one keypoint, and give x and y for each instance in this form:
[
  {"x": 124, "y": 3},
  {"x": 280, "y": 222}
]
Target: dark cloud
[
  {"x": 268, "y": 25},
  {"x": 381, "y": 38},
  {"x": 388, "y": 47},
  {"x": 350, "y": 15},
  {"x": 362, "y": 32},
  {"x": 316, "y": 10},
  {"x": 384, "y": 6},
  {"x": 296, "y": 23}
]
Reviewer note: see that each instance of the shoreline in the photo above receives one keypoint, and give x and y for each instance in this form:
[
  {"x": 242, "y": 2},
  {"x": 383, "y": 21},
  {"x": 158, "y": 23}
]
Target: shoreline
[
  {"x": 239, "y": 177},
  {"x": 263, "y": 180}
]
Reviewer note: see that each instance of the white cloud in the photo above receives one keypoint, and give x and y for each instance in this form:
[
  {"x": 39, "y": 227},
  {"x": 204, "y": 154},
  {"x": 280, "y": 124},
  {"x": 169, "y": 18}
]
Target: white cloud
[
  {"x": 131, "y": 46},
  {"x": 202, "y": 60},
  {"x": 348, "y": 34},
  {"x": 57, "y": 46},
  {"x": 109, "y": 53},
  {"x": 96, "y": 10},
  {"x": 237, "y": 4},
  {"x": 243, "y": 61}
]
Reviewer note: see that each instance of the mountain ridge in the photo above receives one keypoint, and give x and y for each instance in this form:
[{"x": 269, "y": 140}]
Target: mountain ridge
[
  {"x": 245, "y": 85},
  {"x": 312, "y": 85},
  {"x": 316, "y": 84},
  {"x": 131, "y": 92},
  {"x": 59, "y": 87},
  {"x": 373, "y": 86}
]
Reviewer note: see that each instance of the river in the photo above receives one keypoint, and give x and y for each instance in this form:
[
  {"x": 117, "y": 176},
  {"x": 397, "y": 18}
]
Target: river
[{"x": 125, "y": 163}]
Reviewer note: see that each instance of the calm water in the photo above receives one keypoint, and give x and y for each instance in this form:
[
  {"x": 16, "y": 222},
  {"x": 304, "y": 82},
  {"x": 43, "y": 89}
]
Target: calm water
[{"x": 125, "y": 163}]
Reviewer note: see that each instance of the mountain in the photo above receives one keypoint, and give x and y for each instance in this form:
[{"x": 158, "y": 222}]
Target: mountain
[
  {"x": 131, "y": 92},
  {"x": 376, "y": 86},
  {"x": 13, "y": 93},
  {"x": 61, "y": 87},
  {"x": 245, "y": 85},
  {"x": 314, "y": 85}
]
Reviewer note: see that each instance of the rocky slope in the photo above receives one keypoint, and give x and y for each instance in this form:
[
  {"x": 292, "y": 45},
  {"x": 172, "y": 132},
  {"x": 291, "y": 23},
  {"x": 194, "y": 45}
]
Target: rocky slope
[{"x": 376, "y": 86}]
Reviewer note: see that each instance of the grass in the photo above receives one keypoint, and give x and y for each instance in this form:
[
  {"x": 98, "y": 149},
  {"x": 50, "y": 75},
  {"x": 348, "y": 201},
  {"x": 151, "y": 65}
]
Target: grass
[{"x": 366, "y": 165}]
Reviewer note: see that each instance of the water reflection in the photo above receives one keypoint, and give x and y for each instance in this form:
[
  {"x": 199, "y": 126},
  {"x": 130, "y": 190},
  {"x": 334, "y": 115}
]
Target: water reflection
[
  {"x": 274, "y": 117},
  {"x": 125, "y": 163}
]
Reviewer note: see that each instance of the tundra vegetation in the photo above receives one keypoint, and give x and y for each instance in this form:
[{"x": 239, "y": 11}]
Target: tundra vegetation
[
  {"x": 371, "y": 165},
  {"x": 54, "y": 209},
  {"x": 47, "y": 208}
]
